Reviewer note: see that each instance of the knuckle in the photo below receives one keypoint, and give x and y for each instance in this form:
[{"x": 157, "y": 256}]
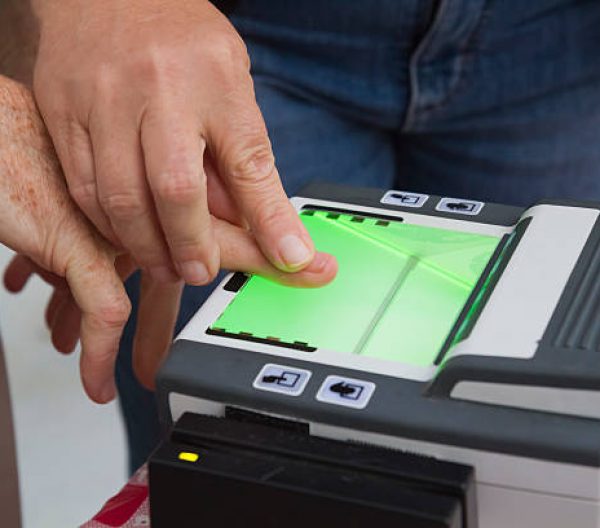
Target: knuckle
[
  {"x": 114, "y": 312},
  {"x": 268, "y": 216},
  {"x": 191, "y": 246},
  {"x": 227, "y": 49},
  {"x": 151, "y": 254},
  {"x": 156, "y": 65},
  {"x": 253, "y": 163},
  {"x": 106, "y": 82},
  {"x": 124, "y": 205},
  {"x": 84, "y": 194},
  {"x": 180, "y": 187},
  {"x": 99, "y": 358}
]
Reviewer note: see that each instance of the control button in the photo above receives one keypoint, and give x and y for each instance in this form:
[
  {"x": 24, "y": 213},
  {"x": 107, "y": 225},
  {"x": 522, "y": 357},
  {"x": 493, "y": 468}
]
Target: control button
[
  {"x": 346, "y": 391},
  {"x": 404, "y": 199},
  {"x": 458, "y": 206},
  {"x": 282, "y": 379}
]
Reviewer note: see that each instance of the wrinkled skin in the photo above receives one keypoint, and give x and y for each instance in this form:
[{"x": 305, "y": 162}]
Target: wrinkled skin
[
  {"x": 38, "y": 219},
  {"x": 41, "y": 222}
]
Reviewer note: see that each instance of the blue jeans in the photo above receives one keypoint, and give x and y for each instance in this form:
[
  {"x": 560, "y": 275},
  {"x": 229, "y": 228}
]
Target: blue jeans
[{"x": 498, "y": 101}]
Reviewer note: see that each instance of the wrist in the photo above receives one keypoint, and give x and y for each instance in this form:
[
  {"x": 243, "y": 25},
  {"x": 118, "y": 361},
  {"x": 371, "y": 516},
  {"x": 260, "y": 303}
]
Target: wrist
[
  {"x": 29, "y": 183},
  {"x": 20, "y": 123},
  {"x": 13, "y": 103}
]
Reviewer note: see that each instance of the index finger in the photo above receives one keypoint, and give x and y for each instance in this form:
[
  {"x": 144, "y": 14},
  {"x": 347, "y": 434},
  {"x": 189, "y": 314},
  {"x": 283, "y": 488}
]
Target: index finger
[
  {"x": 238, "y": 139},
  {"x": 240, "y": 252}
]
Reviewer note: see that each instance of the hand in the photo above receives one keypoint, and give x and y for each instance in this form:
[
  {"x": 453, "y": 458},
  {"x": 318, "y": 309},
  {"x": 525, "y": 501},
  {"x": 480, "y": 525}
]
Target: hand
[
  {"x": 159, "y": 301},
  {"x": 138, "y": 98},
  {"x": 39, "y": 220}
]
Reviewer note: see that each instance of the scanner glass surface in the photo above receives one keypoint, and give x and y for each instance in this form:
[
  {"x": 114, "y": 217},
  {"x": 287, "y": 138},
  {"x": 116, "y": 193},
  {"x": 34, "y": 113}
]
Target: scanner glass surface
[{"x": 398, "y": 293}]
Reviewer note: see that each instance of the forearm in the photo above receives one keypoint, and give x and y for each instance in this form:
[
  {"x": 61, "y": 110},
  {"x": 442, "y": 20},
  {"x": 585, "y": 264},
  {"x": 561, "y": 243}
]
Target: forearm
[
  {"x": 18, "y": 40},
  {"x": 22, "y": 129}
]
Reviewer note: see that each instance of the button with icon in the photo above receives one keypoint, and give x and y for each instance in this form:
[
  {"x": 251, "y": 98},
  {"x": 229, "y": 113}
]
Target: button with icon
[
  {"x": 458, "y": 206},
  {"x": 282, "y": 379},
  {"x": 348, "y": 392},
  {"x": 404, "y": 199}
]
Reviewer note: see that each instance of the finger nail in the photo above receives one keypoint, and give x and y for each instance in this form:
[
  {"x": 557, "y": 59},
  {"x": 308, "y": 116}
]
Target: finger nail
[
  {"x": 163, "y": 274},
  {"x": 294, "y": 252},
  {"x": 194, "y": 272}
]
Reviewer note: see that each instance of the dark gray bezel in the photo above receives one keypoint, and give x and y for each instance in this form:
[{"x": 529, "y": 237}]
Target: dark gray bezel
[{"x": 397, "y": 407}]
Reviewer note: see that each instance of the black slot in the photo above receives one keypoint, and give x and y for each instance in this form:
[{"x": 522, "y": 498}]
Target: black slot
[
  {"x": 350, "y": 212},
  {"x": 246, "y": 336},
  {"x": 245, "y": 416},
  {"x": 236, "y": 282},
  {"x": 251, "y": 474}
]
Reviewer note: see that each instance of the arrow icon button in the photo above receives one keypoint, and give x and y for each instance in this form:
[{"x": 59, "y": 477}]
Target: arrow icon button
[{"x": 348, "y": 392}]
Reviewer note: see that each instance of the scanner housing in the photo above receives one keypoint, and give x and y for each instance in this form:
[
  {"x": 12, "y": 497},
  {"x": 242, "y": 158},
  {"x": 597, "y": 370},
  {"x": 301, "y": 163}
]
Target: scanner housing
[{"x": 507, "y": 410}]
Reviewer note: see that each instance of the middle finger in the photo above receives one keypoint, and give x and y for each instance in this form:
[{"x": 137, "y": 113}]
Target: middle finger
[{"x": 124, "y": 194}]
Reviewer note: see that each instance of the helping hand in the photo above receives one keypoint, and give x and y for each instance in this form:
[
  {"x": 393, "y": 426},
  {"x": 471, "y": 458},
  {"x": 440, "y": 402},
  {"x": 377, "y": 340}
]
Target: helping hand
[{"x": 152, "y": 112}]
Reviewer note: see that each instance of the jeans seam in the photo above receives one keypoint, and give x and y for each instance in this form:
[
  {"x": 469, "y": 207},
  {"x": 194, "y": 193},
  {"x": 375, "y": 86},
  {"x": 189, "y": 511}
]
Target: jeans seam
[
  {"x": 413, "y": 98},
  {"x": 464, "y": 55},
  {"x": 467, "y": 53}
]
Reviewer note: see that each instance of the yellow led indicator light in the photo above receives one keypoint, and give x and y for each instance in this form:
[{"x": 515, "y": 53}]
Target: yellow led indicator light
[{"x": 188, "y": 457}]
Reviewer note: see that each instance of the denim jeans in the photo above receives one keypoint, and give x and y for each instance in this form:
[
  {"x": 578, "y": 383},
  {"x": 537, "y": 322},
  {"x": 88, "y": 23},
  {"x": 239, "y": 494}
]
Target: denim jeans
[{"x": 486, "y": 99}]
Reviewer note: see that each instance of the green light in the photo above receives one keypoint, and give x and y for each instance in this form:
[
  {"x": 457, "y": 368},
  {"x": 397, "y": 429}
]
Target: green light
[{"x": 398, "y": 293}]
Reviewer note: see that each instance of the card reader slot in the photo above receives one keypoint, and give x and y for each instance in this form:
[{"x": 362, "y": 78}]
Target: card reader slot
[
  {"x": 245, "y": 416},
  {"x": 329, "y": 481},
  {"x": 426, "y": 472}
]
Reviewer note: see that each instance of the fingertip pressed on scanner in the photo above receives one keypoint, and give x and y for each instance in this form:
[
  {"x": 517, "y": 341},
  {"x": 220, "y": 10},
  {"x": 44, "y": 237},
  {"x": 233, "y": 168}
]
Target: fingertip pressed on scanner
[{"x": 447, "y": 377}]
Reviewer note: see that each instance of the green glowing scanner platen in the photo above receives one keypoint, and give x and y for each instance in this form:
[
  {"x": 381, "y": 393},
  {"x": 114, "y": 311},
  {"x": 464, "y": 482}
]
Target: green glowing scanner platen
[{"x": 398, "y": 293}]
